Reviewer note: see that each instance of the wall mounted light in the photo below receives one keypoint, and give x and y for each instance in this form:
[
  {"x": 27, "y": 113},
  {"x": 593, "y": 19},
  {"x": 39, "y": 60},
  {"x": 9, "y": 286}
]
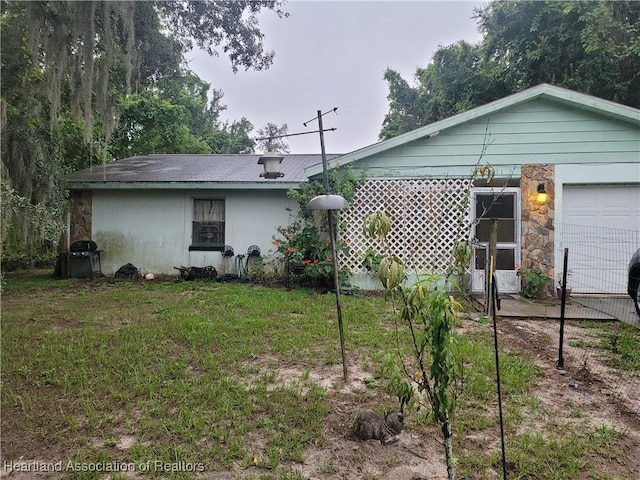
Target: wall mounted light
[
  {"x": 542, "y": 193},
  {"x": 271, "y": 163}
]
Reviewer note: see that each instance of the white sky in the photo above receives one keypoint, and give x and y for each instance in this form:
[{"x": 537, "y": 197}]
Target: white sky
[{"x": 334, "y": 54}]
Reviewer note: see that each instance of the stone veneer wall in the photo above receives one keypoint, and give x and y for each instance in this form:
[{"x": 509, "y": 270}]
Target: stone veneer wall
[
  {"x": 538, "y": 218},
  {"x": 80, "y": 215}
]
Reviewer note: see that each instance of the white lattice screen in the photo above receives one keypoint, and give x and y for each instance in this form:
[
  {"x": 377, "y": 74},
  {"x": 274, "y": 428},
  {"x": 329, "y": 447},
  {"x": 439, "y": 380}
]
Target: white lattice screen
[{"x": 426, "y": 221}]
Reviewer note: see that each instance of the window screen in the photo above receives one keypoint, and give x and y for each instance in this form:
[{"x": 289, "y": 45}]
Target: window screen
[
  {"x": 501, "y": 207},
  {"x": 208, "y": 222}
]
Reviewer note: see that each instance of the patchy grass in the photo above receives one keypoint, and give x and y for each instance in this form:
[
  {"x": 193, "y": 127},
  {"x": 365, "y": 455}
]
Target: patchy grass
[
  {"x": 167, "y": 372},
  {"x": 620, "y": 340}
]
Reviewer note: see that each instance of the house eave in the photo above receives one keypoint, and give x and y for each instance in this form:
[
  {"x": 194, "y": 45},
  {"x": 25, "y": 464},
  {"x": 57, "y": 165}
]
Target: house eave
[
  {"x": 545, "y": 91},
  {"x": 258, "y": 185}
]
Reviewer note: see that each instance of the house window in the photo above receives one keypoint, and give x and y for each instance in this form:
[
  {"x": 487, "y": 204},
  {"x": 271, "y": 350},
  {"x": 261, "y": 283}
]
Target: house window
[{"x": 208, "y": 225}]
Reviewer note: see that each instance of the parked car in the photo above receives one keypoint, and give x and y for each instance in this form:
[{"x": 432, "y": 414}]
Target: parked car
[{"x": 634, "y": 280}]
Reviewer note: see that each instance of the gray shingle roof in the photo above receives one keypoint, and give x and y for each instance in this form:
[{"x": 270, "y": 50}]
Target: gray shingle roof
[{"x": 196, "y": 168}]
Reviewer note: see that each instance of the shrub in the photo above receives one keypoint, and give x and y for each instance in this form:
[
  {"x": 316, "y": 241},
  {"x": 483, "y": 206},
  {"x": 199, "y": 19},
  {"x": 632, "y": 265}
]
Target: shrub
[{"x": 534, "y": 281}]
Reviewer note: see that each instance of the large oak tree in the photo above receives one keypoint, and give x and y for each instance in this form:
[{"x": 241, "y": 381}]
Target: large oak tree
[{"x": 72, "y": 70}]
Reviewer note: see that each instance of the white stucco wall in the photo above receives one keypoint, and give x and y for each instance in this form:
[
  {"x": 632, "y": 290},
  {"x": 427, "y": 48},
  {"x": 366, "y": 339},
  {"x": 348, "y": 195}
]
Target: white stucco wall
[{"x": 152, "y": 228}]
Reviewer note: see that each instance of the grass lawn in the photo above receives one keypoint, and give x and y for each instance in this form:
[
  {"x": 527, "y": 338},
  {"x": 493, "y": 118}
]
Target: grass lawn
[{"x": 184, "y": 380}]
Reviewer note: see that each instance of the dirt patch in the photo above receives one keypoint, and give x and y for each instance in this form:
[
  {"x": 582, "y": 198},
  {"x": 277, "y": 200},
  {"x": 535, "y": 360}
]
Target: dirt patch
[
  {"x": 587, "y": 372},
  {"x": 587, "y": 384},
  {"x": 588, "y": 388}
]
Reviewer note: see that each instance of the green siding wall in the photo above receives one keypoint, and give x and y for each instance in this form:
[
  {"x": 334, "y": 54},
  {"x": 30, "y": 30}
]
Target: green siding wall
[{"x": 540, "y": 131}]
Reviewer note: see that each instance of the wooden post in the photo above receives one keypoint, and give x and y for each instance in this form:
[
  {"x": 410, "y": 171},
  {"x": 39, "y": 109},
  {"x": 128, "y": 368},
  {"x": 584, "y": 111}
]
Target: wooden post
[{"x": 493, "y": 251}]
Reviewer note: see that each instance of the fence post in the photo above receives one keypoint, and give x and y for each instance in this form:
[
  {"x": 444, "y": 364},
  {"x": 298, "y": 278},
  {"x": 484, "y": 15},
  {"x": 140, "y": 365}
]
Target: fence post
[
  {"x": 563, "y": 301},
  {"x": 494, "y": 301},
  {"x": 493, "y": 254}
]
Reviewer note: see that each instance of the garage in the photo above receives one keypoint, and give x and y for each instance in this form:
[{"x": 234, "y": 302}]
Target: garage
[{"x": 601, "y": 229}]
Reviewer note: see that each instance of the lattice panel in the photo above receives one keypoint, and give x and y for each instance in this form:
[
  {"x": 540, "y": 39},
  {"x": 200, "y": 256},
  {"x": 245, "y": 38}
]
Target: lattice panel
[{"x": 426, "y": 221}]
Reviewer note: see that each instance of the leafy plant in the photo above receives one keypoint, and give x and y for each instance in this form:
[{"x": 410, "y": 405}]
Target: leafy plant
[
  {"x": 534, "y": 281},
  {"x": 305, "y": 252},
  {"x": 371, "y": 259},
  {"x": 304, "y": 244},
  {"x": 428, "y": 312},
  {"x": 462, "y": 256},
  {"x": 376, "y": 225},
  {"x": 30, "y": 230}
]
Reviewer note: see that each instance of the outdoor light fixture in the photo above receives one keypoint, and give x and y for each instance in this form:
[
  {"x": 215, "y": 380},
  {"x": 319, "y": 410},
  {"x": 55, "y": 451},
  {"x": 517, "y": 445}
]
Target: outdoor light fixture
[
  {"x": 271, "y": 163},
  {"x": 542, "y": 193}
]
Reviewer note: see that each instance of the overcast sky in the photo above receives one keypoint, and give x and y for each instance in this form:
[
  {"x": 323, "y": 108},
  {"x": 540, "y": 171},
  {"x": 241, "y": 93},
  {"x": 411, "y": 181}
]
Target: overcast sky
[{"x": 334, "y": 54}]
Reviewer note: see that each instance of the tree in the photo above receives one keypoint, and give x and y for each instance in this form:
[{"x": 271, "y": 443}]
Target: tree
[
  {"x": 69, "y": 68},
  {"x": 232, "y": 137},
  {"x": 591, "y": 47},
  {"x": 457, "y": 79},
  {"x": 427, "y": 313},
  {"x": 149, "y": 124},
  {"x": 234, "y": 25},
  {"x": 270, "y": 138}
]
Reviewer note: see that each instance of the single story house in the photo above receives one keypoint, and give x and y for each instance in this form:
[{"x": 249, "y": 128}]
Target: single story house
[
  {"x": 161, "y": 211},
  {"x": 164, "y": 211}
]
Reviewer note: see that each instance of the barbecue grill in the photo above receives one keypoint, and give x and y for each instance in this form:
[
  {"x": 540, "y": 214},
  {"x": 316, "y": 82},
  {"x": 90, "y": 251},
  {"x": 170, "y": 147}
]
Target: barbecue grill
[{"x": 83, "y": 260}]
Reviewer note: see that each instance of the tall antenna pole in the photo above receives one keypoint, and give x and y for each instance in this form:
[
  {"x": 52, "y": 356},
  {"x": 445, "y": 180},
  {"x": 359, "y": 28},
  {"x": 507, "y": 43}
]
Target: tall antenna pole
[{"x": 334, "y": 254}]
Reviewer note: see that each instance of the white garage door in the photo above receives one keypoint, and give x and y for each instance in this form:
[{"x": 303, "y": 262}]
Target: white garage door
[{"x": 601, "y": 229}]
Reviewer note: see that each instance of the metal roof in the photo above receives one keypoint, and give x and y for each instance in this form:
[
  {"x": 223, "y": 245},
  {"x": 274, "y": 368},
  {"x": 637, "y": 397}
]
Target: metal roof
[{"x": 184, "y": 169}]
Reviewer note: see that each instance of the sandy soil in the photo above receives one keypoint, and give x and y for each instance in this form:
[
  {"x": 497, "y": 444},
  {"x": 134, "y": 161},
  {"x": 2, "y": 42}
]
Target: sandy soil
[{"x": 586, "y": 384}]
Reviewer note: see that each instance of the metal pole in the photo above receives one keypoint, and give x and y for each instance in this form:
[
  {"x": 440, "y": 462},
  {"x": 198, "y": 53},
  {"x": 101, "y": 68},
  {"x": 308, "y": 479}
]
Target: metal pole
[
  {"x": 494, "y": 301},
  {"x": 563, "y": 302},
  {"x": 334, "y": 255}
]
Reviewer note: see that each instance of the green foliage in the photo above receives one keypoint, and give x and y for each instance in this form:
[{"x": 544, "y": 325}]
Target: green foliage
[
  {"x": 150, "y": 124},
  {"x": 462, "y": 256},
  {"x": 534, "y": 282},
  {"x": 591, "y": 47},
  {"x": 342, "y": 181},
  {"x": 232, "y": 25},
  {"x": 22, "y": 217},
  {"x": 307, "y": 253},
  {"x": 69, "y": 70},
  {"x": 391, "y": 273},
  {"x": 371, "y": 259},
  {"x": 232, "y": 137},
  {"x": 304, "y": 242},
  {"x": 376, "y": 225}
]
